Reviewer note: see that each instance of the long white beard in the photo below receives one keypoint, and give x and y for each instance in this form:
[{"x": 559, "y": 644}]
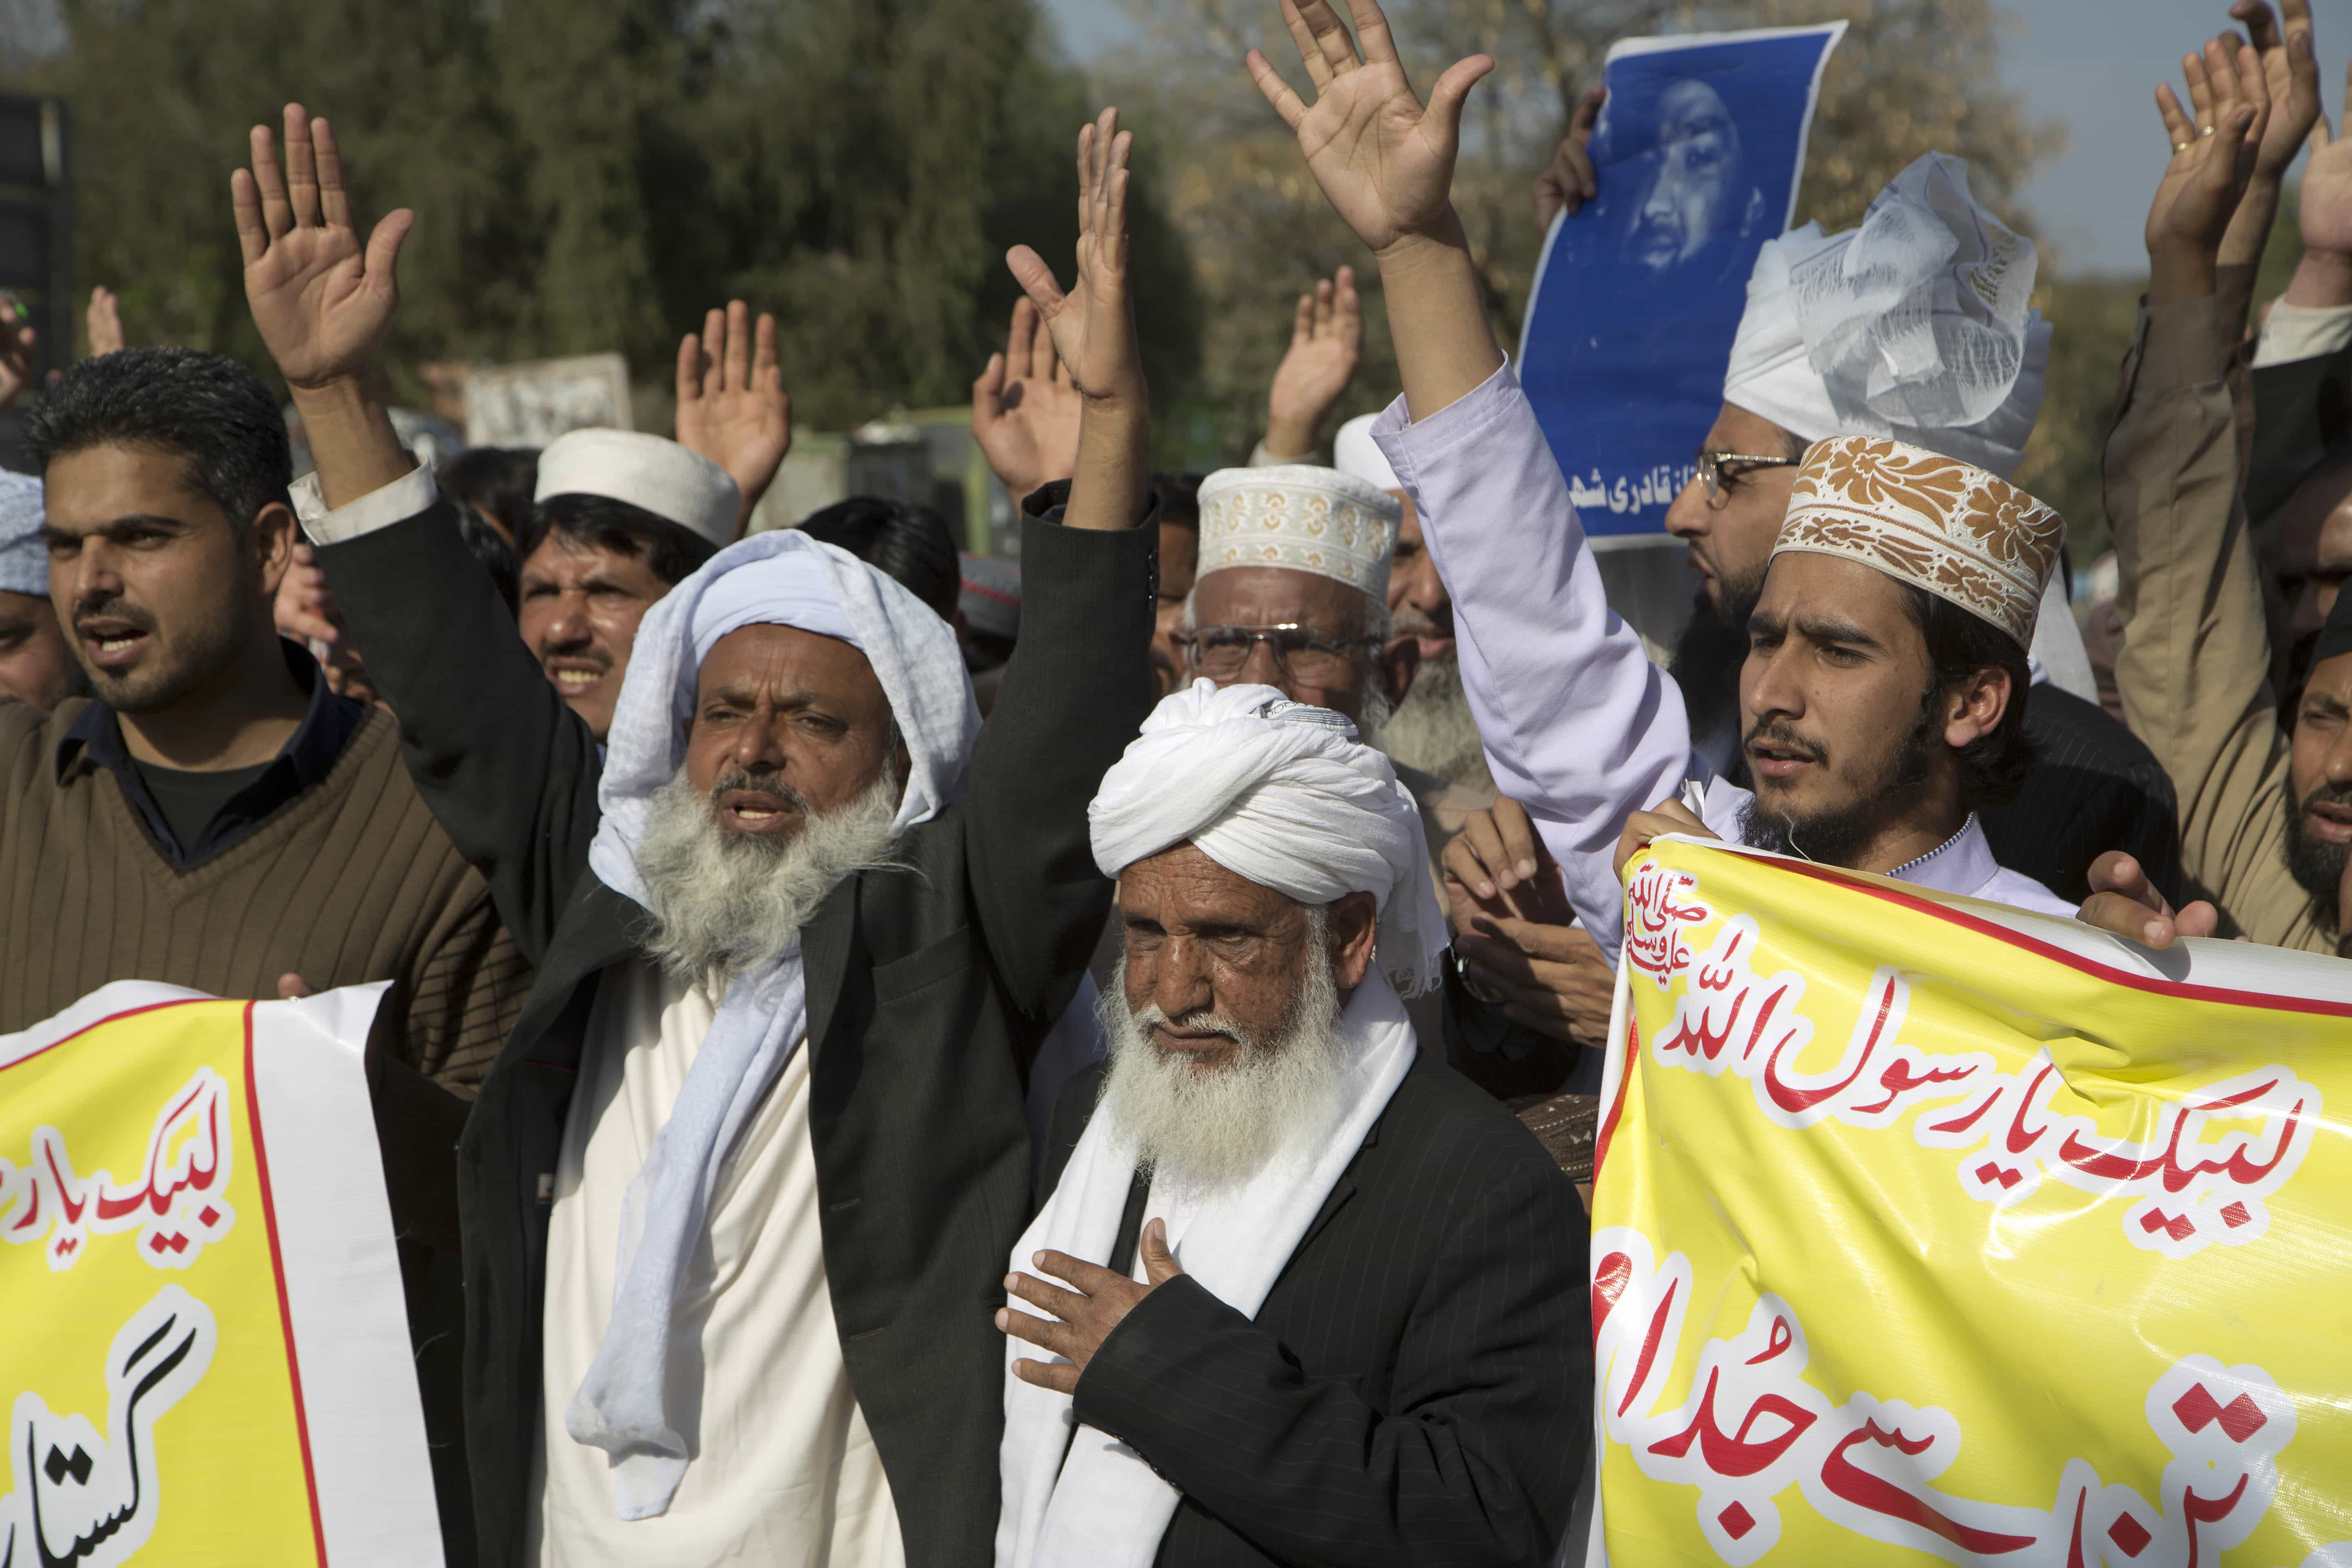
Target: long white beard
[
  {"x": 725, "y": 904},
  {"x": 1433, "y": 729},
  {"x": 1205, "y": 1129}
]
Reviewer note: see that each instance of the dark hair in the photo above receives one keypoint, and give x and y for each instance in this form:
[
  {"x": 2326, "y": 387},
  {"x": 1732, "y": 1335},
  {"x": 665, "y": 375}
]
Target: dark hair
[
  {"x": 1794, "y": 446},
  {"x": 672, "y": 550},
  {"x": 1180, "y": 498},
  {"x": 191, "y": 403},
  {"x": 903, "y": 539},
  {"x": 495, "y": 479},
  {"x": 1994, "y": 766}
]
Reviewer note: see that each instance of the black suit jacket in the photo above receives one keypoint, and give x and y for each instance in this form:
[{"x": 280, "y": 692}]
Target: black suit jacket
[
  {"x": 2096, "y": 787},
  {"x": 929, "y": 990},
  {"x": 1415, "y": 1390}
]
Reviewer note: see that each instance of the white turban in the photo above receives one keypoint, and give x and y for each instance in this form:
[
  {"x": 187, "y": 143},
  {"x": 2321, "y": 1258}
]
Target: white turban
[
  {"x": 781, "y": 578},
  {"x": 1355, "y": 454},
  {"x": 24, "y": 560},
  {"x": 1913, "y": 326},
  {"x": 1284, "y": 795}
]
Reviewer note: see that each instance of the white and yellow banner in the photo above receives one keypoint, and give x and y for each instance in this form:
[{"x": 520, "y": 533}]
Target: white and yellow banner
[
  {"x": 205, "y": 1352},
  {"x": 1925, "y": 1228}
]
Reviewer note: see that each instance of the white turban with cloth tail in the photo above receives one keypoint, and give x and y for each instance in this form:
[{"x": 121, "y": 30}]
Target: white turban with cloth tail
[
  {"x": 1355, "y": 454},
  {"x": 1285, "y": 795},
  {"x": 1913, "y": 325},
  {"x": 24, "y": 559},
  {"x": 625, "y": 1406}
]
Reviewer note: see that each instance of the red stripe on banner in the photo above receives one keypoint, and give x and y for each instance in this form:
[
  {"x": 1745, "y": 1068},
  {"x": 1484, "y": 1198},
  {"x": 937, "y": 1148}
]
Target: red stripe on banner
[
  {"x": 278, "y": 1271},
  {"x": 2268, "y": 1001},
  {"x": 102, "y": 1023}
]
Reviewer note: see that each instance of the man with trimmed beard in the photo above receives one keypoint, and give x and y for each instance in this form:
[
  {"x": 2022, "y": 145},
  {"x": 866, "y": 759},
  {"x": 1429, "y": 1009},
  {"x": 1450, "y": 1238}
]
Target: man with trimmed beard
[
  {"x": 1304, "y": 1298},
  {"x": 1882, "y": 696},
  {"x": 755, "y": 1150}
]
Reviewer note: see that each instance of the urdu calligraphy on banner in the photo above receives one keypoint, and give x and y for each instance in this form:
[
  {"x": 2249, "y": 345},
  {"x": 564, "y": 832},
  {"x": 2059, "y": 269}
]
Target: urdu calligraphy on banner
[
  {"x": 1926, "y": 1226},
  {"x": 208, "y": 1355}
]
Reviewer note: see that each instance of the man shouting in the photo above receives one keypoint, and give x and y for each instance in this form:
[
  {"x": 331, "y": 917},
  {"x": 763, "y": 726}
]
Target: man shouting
[
  {"x": 1359, "y": 1333},
  {"x": 752, "y": 1157}
]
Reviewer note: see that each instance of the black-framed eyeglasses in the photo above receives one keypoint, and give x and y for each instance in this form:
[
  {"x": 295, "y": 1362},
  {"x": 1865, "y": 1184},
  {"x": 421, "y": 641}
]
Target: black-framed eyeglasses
[
  {"x": 1721, "y": 470},
  {"x": 1303, "y": 653}
]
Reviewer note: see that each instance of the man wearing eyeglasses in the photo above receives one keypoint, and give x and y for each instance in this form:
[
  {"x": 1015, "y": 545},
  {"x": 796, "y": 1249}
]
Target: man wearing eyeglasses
[{"x": 1292, "y": 593}]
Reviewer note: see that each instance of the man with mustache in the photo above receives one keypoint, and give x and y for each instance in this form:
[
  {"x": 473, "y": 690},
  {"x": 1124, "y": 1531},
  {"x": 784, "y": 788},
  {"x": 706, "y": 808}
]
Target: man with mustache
[
  {"x": 1881, "y": 698},
  {"x": 755, "y": 1153},
  {"x": 1297, "y": 1297}
]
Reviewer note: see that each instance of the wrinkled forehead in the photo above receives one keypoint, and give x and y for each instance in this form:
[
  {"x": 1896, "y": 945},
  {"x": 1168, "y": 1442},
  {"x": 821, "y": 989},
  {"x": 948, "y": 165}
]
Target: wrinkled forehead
[
  {"x": 1277, "y": 595},
  {"x": 789, "y": 665},
  {"x": 1182, "y": 886}
]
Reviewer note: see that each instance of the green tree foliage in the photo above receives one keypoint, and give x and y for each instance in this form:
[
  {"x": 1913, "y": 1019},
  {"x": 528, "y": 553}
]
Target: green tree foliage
[{"x": 592, "y": 174}]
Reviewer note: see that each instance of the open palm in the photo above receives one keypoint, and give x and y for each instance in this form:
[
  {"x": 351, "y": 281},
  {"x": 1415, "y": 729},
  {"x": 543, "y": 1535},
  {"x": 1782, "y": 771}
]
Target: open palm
[
  {"x": 1385, "y": 163},
  {"x": 1092, "y": 326},
  {"x": 322, "y": 299}
]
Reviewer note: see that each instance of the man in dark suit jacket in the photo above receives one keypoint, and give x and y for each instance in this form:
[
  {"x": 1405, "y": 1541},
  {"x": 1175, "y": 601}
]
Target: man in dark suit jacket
[
  {"x": 929, "y": 982},
  {"x": 2095, "y": 786},
  {"x": 1361, "y": 1335}
]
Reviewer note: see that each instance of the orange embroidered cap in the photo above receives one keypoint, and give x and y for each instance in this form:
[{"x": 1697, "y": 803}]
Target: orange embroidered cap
[{"x": 1943, "y": 525}]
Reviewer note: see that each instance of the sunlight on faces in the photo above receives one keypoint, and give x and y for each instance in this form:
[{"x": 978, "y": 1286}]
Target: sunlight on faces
[
  {"x": 37, "y": 665},
  {"x": 1362, "y": 687},
  {"x": 1223, "y": 1021},
  {"x": 1838, "y": 746},
  {"x": 579, "y": 609},
  {"x": 162, "y": 591},
  {"x": 1731, "y": 542},
  {"x": 791, "y": 781},
  {"x": 2319, "y": 831}
]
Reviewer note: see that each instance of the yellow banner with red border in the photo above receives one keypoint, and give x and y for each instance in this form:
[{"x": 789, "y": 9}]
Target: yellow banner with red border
[
  {"x": 206, "y": 1356},
  {"x": 1927, "y": 1229}
]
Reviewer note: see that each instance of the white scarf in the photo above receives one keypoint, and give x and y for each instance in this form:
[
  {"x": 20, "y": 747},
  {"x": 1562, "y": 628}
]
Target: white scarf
[
  {"x": 785, "y": 578},
  {"x": 1102, "y": 1507}
]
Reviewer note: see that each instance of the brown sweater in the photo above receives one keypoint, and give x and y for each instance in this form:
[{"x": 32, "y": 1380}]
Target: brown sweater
[{"x": 351, "y": 881}]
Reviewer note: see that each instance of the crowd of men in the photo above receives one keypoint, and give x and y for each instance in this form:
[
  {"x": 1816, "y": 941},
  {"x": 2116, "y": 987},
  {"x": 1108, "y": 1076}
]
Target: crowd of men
[{"x": 895, "y": 1058}]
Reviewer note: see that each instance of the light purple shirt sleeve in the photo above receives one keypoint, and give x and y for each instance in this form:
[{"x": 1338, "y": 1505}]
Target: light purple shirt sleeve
[{"x": 1579, "y": 727}]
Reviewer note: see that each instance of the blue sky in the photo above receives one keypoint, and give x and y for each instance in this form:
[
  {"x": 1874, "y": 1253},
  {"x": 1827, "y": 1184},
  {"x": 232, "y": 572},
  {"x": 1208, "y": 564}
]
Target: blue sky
[{"x": 2092, "y": 65}]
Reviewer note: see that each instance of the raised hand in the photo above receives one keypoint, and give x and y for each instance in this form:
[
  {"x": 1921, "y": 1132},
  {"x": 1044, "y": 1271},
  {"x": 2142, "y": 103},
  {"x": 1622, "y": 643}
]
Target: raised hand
[
  {"x": 1093, "y": 325},
  {"x": 1327, "y": 342},
  {"x": 1571, "y": 181},
  {"x": 2325, "y": 199},
  {"x": 1025, "y": 408},
  {"x": 2290, "y": 72},
  {"x": 2213, "y": 155},
  {"x": 16, "y": 340},
  {"x": 731, "y": 403},
  {"x": 1384, "y": 161},
  {"x": 322, "y": 299},
  {"x": 104, "y": 320}
]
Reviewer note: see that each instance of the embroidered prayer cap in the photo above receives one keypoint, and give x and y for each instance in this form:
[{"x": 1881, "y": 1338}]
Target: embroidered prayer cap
[
  {"x": 24, "y": 559},
  {"x": 1303, "y": 517},
  {"x": 1355, "y": 454},
  {"x": 1283, "y": 794},
  {"x": 647, "y": 471},
  {"x": 1913, "y": 325},
  {"x": 1949, "y": 527}
]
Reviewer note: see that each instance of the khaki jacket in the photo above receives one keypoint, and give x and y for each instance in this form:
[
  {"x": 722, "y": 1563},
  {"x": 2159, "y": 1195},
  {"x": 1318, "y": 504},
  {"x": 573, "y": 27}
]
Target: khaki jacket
[{"x": 2194, "y": 667}]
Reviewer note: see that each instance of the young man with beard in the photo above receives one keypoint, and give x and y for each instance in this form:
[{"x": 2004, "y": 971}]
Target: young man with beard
[
  {"x": 755, "y": 1151},
  {"x": 1882, "y": 694},
  {"x": 1297, "y": 1297}
]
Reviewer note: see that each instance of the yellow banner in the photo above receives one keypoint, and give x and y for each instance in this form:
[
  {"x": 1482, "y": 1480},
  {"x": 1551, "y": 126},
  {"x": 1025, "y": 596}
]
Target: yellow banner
[
  {"x": 1926, "y": 1226},
  {"x": 152, "y": 1351}
]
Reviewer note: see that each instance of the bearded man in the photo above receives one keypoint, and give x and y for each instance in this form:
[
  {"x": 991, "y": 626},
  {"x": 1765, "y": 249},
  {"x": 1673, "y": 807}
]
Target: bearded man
[
  {"x": 755, "y": 1150},
  {"x": 1319, "y": 1300}
]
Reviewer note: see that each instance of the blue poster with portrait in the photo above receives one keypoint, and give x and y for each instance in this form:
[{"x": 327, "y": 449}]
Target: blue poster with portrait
[{"x": 1638, "y": 296}]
